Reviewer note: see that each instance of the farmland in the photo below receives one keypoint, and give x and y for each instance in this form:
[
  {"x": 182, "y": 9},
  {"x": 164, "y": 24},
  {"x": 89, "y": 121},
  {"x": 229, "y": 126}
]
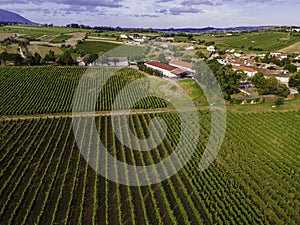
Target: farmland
[
  {"x": 36, "y": 90},
  {"x": 96, "y": 47},
  {"x": 249, "y": 183},
  {"x": 45, "y": 178},
  {"x": 268, "y": 41}
]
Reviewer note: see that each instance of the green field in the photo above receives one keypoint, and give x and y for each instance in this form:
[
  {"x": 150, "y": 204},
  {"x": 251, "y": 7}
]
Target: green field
[
  {"x": 60, "y": 38},
  {"x": 255, "y": 179},
  {"x": 37, "y": 31},
  {"x": 96, "y": 47},
  {"x": 268, "y": 41},
  {"x": 35, "y": 90}
]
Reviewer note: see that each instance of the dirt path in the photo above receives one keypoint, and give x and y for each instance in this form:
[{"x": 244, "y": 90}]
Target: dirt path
[{"x": 84, "y": 114}]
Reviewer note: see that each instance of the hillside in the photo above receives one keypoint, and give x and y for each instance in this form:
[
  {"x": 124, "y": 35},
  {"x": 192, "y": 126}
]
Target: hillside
[{"x": 10, "y": 17}]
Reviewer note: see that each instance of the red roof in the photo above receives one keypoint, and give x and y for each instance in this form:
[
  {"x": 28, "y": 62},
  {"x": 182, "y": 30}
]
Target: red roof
[
  {"x": 161, "y": 65},
  {"x": 248, "y": 69},
  {"x": 177, "y": 71}
]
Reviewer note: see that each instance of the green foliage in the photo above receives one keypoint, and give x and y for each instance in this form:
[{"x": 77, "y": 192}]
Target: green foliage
[
  {"x": 162, "y": 58},
  {"x": 279, "y": 101},
  {"x": 269, "y": 86},
  {"x": 228, "y": 79},
  {"x": 291, "y": 68},
  {"x": 295, "y": 81}
]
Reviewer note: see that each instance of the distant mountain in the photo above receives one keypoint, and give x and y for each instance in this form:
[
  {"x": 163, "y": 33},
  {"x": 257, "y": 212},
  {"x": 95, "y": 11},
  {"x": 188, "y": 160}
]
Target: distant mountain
[
  {"x": 213, "y": 29},
  {"x": 10, "y": 17}
]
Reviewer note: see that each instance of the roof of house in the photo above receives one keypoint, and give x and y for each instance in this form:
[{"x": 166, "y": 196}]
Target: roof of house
[
  {"x": 178, "y": 71},
  {"x": 121, "y": 59},
  {"x": 161, "y": 65},
  {"x": 244, "y": 68},
  {"x": 181, "y": 64}
]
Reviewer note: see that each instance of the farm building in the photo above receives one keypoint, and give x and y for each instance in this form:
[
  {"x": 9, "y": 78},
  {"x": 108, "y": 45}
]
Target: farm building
[
  {"x": 250, "y": 72},
  {"x": 167, "y": 70},
  {"x": 182, "y": 65}
]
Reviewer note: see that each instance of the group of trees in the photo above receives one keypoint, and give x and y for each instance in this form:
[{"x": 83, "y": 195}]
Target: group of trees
[
  {"x": 36, "y": 59},
  {"x": 228, "y": 79},
  {"x": 268, "y": 86},
  {"x": 15, "y": 58},
  {"x": 294, "y": 81}
]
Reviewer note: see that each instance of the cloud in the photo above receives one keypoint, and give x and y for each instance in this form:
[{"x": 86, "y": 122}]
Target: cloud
[
  {"x": 81, "y": 3},
  {"x": 162, "y": 11},
  {"x": 149, "y": 15},
  {"x": 200, "y": 2},
  {"x": 184, "y": 9},
  {"x": 163, "y": 1}
]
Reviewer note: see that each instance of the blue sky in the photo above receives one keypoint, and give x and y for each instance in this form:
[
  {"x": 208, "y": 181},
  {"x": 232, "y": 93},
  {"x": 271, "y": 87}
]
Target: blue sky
[{"x": 159, "y": 13}]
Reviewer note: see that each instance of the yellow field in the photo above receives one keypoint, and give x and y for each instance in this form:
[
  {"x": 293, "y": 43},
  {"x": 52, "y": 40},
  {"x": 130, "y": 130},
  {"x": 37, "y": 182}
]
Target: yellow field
[
  {"x": 43, "y": 50},
  {"x": 292, "y": 48},
  {"x": 6, "y": 35}
]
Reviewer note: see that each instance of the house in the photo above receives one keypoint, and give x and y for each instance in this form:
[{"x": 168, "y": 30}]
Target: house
[
  {"x": 118, "y": 61},
  {"x": 170, "y": 39},
  {"x": 190, "y": 48},
  {"x": 279, "y": 55},
  {"x": 167, "y": 70},
  {"x": 182, "y": 65},
  {"x": 81, "y": 63},
  {"x": 250, "y": 72},
  {"x": 211, "y": 48},
  {"x": 296, "y": 30},
  {"x": 230, "y": 50},
  {"x": 123, "y": 36}
]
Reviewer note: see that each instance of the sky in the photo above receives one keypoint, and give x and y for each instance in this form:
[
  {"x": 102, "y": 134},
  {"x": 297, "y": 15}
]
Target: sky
[{"x": 158, "y": 13}]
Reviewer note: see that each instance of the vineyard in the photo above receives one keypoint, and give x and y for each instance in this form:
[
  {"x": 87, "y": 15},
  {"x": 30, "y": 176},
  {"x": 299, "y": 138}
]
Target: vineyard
[
  {"x": 96, "y": 47},
  {"x": 37, "y": 90},
  {"x": 255, "y": 179}
]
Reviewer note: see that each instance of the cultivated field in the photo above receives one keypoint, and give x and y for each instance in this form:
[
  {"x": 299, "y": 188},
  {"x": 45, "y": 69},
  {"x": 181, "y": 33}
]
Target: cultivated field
[
  {"x": 292, "y": 48},
  {"x": 254, "y": 180},
  {"x": 45, "y": 179},
  {"x": 268, "y": 41},
  {"x": 36, "y": 90}
]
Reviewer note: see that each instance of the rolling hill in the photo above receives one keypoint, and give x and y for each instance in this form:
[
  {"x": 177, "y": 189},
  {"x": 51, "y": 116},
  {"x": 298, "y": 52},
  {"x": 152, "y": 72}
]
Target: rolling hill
[{"x": 10, "y": 17}]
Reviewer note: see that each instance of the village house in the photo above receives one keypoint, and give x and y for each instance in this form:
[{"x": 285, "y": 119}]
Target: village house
[
  {"x": 190, "y": 48},
  {"x": 118, "y": 61},
  {"x": 250, "y": 72},
  {"x": 123, "y": 36},
  {"x": 211, "y": 48}
]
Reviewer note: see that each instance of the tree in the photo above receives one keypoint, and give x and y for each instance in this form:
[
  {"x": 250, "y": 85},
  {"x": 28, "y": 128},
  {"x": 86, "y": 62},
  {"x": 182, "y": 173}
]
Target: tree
[
  {"x": 279, "y": 101},
  {"x": 291, "y": 68},
  {"x": 295, "y": 81},
  {"x": 37, "y": 58},
  {"x": 4, "y": 57},
  {"x": 258, "y": 80},
  {"x": 66, "y": 59},
  {"x": 90, "y": 58},
  {"x": 162, "y": 58},
  {"x": 201, "y": 55}
]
